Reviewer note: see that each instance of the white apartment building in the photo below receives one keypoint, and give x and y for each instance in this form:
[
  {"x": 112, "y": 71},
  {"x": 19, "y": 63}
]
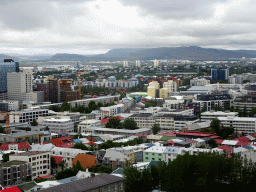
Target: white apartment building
[
  {"x": 173, "y": 104},
  {"x": 143, "y": 120},
  {"x": 125, "y": 63},
  {"x": 58, "y": 125},
  {"x": 171, "y": 86},
  {"x": 19, "y": 87},
  {"x": 39, "y": 162},
  {"x": 154, "y": 84},
  {"x": 114, "y": 109},
  {"x": 199, "y": 82},
  {"x": 12, "y": 105},
  {"x": 137, "y": 63},
  {"x": 98, "y": 114},
  {"x": 210, "y": 115},
  {"x": 246, "y": 125},
  {"x": 27, "y": 115},
  {"x": 82, "y": 126},
  {"x": 156, "y": 63},
  {"x": 67, "y": 154}
]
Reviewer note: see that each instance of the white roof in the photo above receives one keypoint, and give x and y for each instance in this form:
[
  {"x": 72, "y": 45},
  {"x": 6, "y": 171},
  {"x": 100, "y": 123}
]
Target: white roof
[
  {"x": 199, "y": 140},
  {"x": 47, "y": 184},
  {"x": 237, "y": 118},
  {"x": 156, "y": 149},
  {"x": 60, "y": 120},
  {"x": 38, "y": 147},
  {"x": 229, "y": 142},
  {"x": 240, "y": 149}
]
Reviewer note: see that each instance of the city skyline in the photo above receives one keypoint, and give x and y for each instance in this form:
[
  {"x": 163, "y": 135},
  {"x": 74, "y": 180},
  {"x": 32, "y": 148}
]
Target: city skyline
[{"x": 96, "y": 26}]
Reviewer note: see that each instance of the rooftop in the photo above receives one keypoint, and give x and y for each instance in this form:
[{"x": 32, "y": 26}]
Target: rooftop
[
  {"x": 29, "y": 153},
  {"x": 10, "y": 163}
]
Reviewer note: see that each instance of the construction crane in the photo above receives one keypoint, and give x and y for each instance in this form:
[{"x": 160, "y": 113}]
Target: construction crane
[
  {"x": 79, "y": 82},
  {"x": 8, "y": 120}
]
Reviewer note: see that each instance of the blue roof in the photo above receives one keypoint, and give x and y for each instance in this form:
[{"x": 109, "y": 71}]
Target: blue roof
[
  {"x": 149, "y": 144},
  {"x": 68, "y": 180},
  {"x": 77, "y": 140},
  {"x": 248, "y": 147}
]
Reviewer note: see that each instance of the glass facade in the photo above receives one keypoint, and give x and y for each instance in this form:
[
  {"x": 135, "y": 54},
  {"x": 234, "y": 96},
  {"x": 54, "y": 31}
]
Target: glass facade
[{"x": 7, "y": 67}]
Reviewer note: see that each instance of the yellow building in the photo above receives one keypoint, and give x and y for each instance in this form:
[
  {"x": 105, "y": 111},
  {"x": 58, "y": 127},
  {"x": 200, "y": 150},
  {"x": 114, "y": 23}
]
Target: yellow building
[
  {"x": 163, "y": 93},
  {"x": 151, "y": 91},
  {"x": 154, "y": 84}
]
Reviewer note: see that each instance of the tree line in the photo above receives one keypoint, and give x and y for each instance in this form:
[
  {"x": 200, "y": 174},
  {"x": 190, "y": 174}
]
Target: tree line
[{"x": 205, "y": 171}]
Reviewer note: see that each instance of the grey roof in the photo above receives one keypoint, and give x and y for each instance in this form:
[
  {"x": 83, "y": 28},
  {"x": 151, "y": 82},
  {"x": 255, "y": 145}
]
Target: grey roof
[
  {"x": 142, "y": 115},
  {"x": 113, "y": 155},
  {"x": 86, "y": 184},
  {"x": 45, "y": 147},
  {"x": 25, "y": 133}
]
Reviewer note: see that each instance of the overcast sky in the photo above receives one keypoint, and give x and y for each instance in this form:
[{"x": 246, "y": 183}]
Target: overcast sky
[{"x": 96, "y": 26}]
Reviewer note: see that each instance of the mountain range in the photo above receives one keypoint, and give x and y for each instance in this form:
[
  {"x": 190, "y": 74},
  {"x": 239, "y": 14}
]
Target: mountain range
[{"x": 177, "y": 53}]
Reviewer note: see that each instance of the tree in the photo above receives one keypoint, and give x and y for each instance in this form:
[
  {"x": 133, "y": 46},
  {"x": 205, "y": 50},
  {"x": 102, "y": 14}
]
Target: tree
[
  {"x": 80, "y": 146},
  {"x": 215, "y": 125},
  {"x": 34, "y": 123},
  {"x": 232, "y": 109},
  {"x": 65, "y": 106},
  {"x": 1, "y": 129},
  {"x": 114, "y": 122},
  {"x": 6, "y": 156},
  {"x": 215, "y": 108},
  {"x": 77, "y": 167},
  {"x": 156, "y": 128},
  {"x": 129, "y": 123},
  {"x": 77, "y": 136},
  {"x": 65, "y": 173},
  {"x": 213, "y": 143}
]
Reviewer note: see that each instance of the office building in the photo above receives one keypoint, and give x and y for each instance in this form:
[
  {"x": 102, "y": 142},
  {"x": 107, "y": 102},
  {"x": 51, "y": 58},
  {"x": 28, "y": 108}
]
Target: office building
[
  {"x": 9, "y": 105},
  {"x": 58, "y": 125},
  {"x": 199, "y": 82},
  {"x": 54, "y": 90},
  {"x": 125, "y": 63},
  {"x": 219, "y": 74},
  {"x": 8, "y": 66},
  {"x": 137, "y": 63},
  {"x": 19, "y": 87},
  {"x": 156, "y": 63}
]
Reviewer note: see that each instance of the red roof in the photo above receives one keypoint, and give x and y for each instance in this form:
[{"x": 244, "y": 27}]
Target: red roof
[
  {"x": 103, "y": 121},
  {"x": 214, "y": 137},
  {"x": 46, "y": 176},
  {"x": 194, "y": 133},
  {"x": 226, "y": 148},
  {"x": 66, "y": 139},
  {"x": 11, "y": 189},
  {"x": 141, "y": 135},
  {"x": 57, "y": 159},
  {"x": 24, "y": 145},
  {"x": 57, "y": 142},
  {"x": 118, "y": 117},
  {"x": 242, "y": 139},
  {"x": 191, "y": 141},
  {"x": 67, "y": 145},
  {"x": 219, "y": 141},
  {"x": 168, "y": 134},
  {"x": 242, "y": 143}
]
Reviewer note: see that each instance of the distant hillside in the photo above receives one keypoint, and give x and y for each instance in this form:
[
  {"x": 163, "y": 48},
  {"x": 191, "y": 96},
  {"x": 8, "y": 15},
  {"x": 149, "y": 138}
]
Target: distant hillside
[
  {"x": 2, "y": 57},
  {"x": 188, "y": 53},
  {"x": 67, "y": 57}
]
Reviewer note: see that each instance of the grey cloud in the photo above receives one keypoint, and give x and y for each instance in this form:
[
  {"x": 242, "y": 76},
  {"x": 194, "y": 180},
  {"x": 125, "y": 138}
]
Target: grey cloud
[{"x": 175, "y": 9}]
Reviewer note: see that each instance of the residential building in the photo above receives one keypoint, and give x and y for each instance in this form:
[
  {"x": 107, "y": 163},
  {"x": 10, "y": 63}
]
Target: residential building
[
  {"x": 137, "y": 63},
  {"x": 125, "y": 63},
  {"x": 12, "y": 172},
  {"x": 8, "y": 66},
  {"x": 82, "y": 126},
  {"x": 102, "y": 182},
  {"x": 156, "y": 63},
  {"x": 39, "y": 162},
  {"x": 54, "y": 90},
  {"x": 210, "y": 115},
  {"x": 45, "y": 88},
  {"x": 154, "y": 153},
  {"x": 9, "y": 105},
  {"x": 171, "y": 153},
  {"x": 124, "y": 132},
  {"x": 199, "y": 82},
  {"x": 27, "y": 115},
  {"x": 66, "y": 92},
  {"x": 28, "y": 136},
  {"x": 245, "y": 125},
  {"x": 171, "y": 86},
  {"x": 24, "y": 146},
  {"x": 67, "y": 154},
  {"x": 152, "y": 91},
  {"x": 163, "y": 93},
  {"x": 208, "y": 102},
  {"x": 219, "y": 74},
  {"x": 115, "y": 159},
  {"x": 246, "y": 101},
  {"x": 143, "y": 120},
  {"x": 57, "y": 125},
  {"x": 174, "y": 103}
]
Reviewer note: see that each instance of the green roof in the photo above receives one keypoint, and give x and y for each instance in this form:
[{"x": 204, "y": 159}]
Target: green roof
[
  {"x": 27, "y": 186},
  {"x": 119, "y": 171},
  {"x": 166, "y": 138},
  {"x": 10, "y": 163}
]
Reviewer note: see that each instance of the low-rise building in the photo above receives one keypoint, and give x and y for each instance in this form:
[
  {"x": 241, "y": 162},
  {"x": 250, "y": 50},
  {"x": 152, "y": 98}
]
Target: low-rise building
[
  {"x": 39, "y": 162},
  {"x": 82, "y": 126},
  {"x": 28, "y": 136},
  {"x": 13, "y": 172},
  {"x": 58, "y": 125},
  {"x": 154, "y": 153},
  {"x": 143, "y": 120},
  {"x": 210, "y": 115},
  {"x": 27, "y": 115}
]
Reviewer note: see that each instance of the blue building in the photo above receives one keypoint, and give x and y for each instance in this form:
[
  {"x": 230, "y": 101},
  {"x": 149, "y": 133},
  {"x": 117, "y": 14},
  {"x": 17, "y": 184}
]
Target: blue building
[
  {"x": 219, "y": 74},
  {"x": 7, "y": 66}
]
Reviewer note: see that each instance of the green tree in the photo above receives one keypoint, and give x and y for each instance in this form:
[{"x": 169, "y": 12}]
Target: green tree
[
  {"x": 65, "y": 173},
  {"x": 1, "y": 129},
  {"x": 213, "y": 143},
  {"x": 80, "y": 146},
  {"x": 215, "y": 108},
  {"x": 77, "y": 136},
  {"x": 115, "y": 123},
  {"x": 34, "y": 123},
  {"x": 65, "y": 106},
  {"x": 232, "y": 109},
  {"x": 215, "y": 125},
  {"x": 129, "y": 123},
  {"x": 5, "y": 157},
  {"x": 155, "y": 128},
  {"x": 77, "y": 167}
]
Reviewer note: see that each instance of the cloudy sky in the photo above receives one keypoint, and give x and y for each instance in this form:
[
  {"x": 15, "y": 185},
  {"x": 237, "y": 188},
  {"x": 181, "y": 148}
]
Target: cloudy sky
[{"x": 96, "y": 26}]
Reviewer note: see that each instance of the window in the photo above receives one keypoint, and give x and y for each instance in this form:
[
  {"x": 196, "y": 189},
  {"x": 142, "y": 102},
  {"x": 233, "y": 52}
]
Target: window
[{"x": 153, "y": 153}]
